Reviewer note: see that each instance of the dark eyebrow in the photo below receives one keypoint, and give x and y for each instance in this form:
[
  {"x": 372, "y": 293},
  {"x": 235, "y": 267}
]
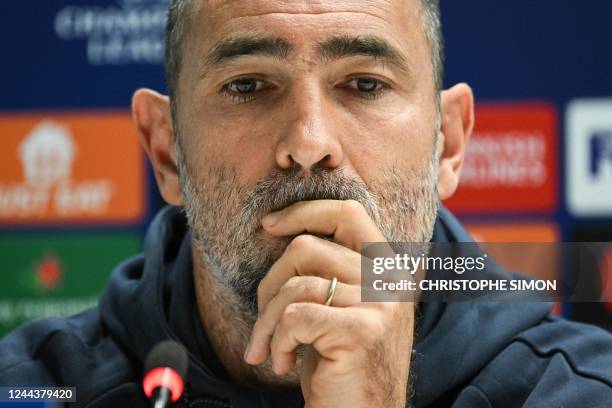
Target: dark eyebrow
[
  {"x": 235, "y": 47},
  {"x": 369, "y": 46},
  {"x": 330, "y": 49}
]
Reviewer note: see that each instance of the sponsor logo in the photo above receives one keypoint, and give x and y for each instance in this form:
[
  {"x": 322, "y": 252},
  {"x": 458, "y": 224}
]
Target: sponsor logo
[
  {"x": 528, "y": 232},
  {"x": 49, "y": 273},
  {"x": 47, "y": 154},
  {"x": 127, "y": 32},
  {"x": 589, "y": 157},
  {"x": 53, "y": 274},
  {"x": 510, "y": 162},
  {"x": 506, "y": 159},
  {"x": 70, "y": 168},
  {"x": 540, "y": 261},
  {"x": 601, "y": 152}
]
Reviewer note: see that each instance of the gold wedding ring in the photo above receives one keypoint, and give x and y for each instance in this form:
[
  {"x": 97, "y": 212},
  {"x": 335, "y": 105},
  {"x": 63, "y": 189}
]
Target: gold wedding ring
[{"x": 331, "y": 291}]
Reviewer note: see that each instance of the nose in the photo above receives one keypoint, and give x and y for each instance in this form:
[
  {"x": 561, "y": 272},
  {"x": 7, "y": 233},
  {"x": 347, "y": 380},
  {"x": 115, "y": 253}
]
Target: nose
[{"x": 310, "y": 133}]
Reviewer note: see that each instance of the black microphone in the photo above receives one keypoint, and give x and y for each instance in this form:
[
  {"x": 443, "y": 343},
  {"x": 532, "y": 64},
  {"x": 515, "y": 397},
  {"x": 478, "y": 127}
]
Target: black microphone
[{"x": 165, "y": 368}]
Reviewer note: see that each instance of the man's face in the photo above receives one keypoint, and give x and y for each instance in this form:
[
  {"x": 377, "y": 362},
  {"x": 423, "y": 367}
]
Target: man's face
[{"x": 283, "y": 101}]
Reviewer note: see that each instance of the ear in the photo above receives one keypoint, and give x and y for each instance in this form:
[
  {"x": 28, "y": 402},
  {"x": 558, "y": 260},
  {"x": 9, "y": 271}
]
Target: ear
[
  {"x": 153, "y": 121},
  {"x": 457, "y": 115}
]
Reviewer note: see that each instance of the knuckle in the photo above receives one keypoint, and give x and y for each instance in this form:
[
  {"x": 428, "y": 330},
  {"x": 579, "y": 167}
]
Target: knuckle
[
  {"x": 300, "y": 243},
  {"x": 312, "y": 287},
  {"x": 291, "y": 314},
  {"x": 308, "y": 288},
  {"x": 352, "y": 208},
  {"x": 292, "y": 285},
  {"x": 301, "y": 289}
]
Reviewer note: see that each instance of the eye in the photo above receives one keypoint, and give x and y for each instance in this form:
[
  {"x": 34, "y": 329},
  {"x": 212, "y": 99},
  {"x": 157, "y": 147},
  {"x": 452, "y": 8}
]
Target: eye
[
  {"x": 245, "y": 85},
  {"x": 243, "y": 89},
  {"x": 367, "y": 87}
]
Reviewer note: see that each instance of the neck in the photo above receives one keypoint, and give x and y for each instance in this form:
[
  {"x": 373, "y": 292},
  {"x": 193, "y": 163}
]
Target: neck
[{"x": 228, "y": 324}]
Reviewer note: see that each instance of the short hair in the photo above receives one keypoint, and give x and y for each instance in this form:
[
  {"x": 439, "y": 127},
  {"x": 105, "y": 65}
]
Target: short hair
[{"x": 179, "y": 14}]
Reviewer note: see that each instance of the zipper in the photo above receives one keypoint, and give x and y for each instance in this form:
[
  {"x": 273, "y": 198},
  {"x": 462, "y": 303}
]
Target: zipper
[
  {"x": 202, "y": 402},
  {"x": 209, "y": 403}
]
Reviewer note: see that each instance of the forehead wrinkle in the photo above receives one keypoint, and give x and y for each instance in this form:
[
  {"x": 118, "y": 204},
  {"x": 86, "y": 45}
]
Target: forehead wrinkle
[
  {"x": 253, "y": 8},
  {"x": 399, "y": 59}
]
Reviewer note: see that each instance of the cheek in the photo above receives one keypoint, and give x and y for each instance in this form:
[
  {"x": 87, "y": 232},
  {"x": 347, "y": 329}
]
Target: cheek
[
  {"x": 230, "y": 141},
  {"x": 403, "y": 141}
]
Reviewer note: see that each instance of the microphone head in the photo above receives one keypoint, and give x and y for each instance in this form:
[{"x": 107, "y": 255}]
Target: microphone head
[
  {"x": 168, "y": 354},
  {"x": 166, "y": 367}
]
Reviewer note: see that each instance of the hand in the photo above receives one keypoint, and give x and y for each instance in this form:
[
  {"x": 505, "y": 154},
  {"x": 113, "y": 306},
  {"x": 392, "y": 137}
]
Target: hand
[{"x": 359, "y": 353}]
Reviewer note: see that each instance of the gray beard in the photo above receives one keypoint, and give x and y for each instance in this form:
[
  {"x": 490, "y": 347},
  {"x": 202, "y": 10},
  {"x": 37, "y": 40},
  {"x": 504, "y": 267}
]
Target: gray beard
[{"x": 225, "y": 218}]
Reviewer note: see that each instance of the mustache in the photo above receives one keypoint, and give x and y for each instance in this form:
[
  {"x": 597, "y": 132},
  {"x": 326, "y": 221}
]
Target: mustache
[{"x": 283, "y": 188}]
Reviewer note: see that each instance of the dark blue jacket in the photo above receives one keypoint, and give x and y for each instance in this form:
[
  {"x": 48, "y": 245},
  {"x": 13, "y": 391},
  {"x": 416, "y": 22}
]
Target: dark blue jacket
[{"x": 467, "y": 354}]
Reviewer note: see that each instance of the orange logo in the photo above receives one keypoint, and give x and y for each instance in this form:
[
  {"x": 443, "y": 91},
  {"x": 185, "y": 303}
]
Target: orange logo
[
  {"x": 538, "y": 260},
  {"x": 514, "y": 232},
  {"x": 70, "y": 167}
]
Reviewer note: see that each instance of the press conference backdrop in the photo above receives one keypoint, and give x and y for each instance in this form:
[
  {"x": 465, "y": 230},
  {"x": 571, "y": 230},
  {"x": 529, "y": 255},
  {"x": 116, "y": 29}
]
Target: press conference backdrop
[{"x": 76, "y": 194}]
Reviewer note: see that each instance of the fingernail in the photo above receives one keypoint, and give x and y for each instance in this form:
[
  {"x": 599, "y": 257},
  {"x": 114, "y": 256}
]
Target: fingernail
[{"x": 271, "y": 218}]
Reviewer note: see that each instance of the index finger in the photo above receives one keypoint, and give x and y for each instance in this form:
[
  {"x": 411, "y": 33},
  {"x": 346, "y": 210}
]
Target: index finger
[{"x": 347, "y": 222}]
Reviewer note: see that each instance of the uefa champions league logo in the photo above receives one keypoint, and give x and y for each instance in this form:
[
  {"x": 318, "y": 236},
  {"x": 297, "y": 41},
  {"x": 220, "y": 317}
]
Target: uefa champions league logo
[
  {"x": 122, "y": 32},
  {"x": 138, "y": 3}
]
